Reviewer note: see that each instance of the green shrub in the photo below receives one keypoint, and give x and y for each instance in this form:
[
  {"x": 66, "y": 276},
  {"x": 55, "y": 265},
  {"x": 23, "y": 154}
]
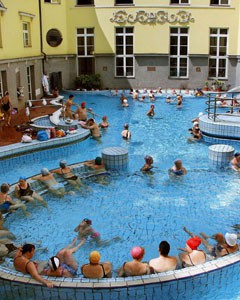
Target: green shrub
[{"x": 89, "y": 82}]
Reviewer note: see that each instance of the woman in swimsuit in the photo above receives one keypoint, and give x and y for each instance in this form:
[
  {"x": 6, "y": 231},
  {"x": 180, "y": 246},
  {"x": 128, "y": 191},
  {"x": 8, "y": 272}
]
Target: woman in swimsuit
[
  {"x": 7, "y": 107},
  {"x": 7, "y": 204},
  {"x": 67, "y": 259},
  {"x": 95, "y": 269},
  {"x": 177, "y": 169},
  {"x": 24, "y": 192},
  {"x": 104, "y": 123},
  {"x": 148, "y": 164},
  {"x": 192, "y": 256},
  {"x": 126, "y": 134},
  {"x": 68, "y": 175},
  {"x": 135, "y": 267},
  {"x": 23, "y": 264}
]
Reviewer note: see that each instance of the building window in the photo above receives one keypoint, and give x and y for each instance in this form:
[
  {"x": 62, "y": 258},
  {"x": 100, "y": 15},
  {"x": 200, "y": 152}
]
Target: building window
[
  {"x": 54, "y": 37},
  {"x": 85, "y": 2},
  {"x": 218, "y": 53},
  {"x": 85, "y": 51},
  {"x": 179, "y": 1},
  {"x": 124, "y": 59},
  {"x": 3, "y": 83},
  {"x": 219, "y": 2},
  {"x": 179, "y": 52},
  {"x": 26, "y": 34},
  {"x": 119, "y": 2},
  {"x": 53, "y": 1}
]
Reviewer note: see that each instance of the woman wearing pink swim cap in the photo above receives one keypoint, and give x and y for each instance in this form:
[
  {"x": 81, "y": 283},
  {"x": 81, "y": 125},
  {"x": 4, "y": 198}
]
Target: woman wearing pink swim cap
[{"x": 135, "y": 267}]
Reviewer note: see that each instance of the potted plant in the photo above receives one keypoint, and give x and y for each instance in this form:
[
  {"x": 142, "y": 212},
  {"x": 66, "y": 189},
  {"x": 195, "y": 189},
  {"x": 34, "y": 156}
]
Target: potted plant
[
  {"x": 218, "y": 85},
  {"x": 206, "y": 88}
]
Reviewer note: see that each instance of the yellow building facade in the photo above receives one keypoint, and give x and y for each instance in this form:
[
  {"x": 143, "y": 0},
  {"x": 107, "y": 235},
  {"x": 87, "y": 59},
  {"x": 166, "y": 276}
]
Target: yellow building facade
[{"x": 130, "y": 43}]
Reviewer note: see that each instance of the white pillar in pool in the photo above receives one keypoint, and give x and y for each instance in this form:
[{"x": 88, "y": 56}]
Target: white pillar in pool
[
  {"x": 115, "y": 158},
  {"x": 220, "y": 155}
]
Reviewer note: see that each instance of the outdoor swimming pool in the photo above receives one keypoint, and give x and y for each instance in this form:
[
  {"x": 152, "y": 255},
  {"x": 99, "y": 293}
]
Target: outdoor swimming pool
[{"x": 140, "y": 209}]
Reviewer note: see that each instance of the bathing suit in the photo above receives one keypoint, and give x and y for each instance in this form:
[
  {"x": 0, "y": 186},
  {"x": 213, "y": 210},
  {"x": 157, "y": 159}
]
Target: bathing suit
[
  {"x": 126, "y": 137},
  {"x": 185, "y": 265},
  {"x": 25, "y": 192},
  {"x": 5, "y": 205},
  {"x": 178, "y": 172},
  {"x": 73, "y": 177},
  {"x": 125, "y": 274},
  {"x": 6, "y": 106},
  {"x": 69, "y": 269},
  {"x": 57, "y": 186},
  {"x": 104, "y": 274},
  {"x": 29, "y": 261}
]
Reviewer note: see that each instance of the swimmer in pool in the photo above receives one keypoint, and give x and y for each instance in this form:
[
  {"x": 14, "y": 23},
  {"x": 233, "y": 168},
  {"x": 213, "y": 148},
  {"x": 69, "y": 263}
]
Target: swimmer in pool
[
  {"x": 177, "y": 169},
  {"x": 50, "y": 182},
  {"x": 85, "y": 230},
  {"x": 148, "y": 164},
  {"x": 151, "y": 111}
]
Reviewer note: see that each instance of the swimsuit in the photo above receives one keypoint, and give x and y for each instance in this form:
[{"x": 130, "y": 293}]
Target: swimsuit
[
  {"x": 69, "y": 269},
  {"x": 73, "y": 177},
  {"x": 178, "y": 172},
  {"x": 29, "y": 261},
  {"x": 25, "y": 192},
  {"x": 104, "y": 274},
  {"x": 185, "y": 265},
  {"x": 5, "y": 205},
  {"x": 6, "y": 106},
  {"x": 57, "y": 186}
]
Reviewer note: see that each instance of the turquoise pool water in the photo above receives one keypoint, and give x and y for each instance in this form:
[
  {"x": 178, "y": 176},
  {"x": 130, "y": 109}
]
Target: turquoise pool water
[{"x": 140, "y": 209}]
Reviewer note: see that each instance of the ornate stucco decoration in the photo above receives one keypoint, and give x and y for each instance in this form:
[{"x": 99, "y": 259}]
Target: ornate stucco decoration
[{"x": 160, "y": 17}]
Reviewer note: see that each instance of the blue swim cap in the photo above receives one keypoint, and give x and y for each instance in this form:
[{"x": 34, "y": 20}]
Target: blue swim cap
[{"x": 22, "y": 178}]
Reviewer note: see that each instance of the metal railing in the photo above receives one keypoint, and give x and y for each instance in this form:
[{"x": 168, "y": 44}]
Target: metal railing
[{"x": 223, "y": 104}]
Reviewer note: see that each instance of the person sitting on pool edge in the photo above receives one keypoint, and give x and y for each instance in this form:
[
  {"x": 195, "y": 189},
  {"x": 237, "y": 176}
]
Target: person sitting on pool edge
[
  {"x": 191, "y": 255},
  {"x": 50, "y": 182},
  {"x": 64, "y": 264},
  {"x": 164, "y": 262},
  {"x": 95, "y": 269},
  {"x": 66, "y": 172},
  {"x": 148, "y": 164},
  {"x": 225, "y": 245},
  {"x": 135, "y": 267},
  {"x": 23, "y": 264},
  {"x": 7, "y": 204},
  {"x": 177, "y": 169},
  {"x": 24, "y": 192}
]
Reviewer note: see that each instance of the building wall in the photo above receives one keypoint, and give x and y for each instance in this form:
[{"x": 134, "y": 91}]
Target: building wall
[{"x": 151, "y": 41}]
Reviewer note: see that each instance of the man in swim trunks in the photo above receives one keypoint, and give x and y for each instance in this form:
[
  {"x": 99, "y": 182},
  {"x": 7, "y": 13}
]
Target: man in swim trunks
[
  {"x": 81, "y": 112},
  {"x": 68, "y": 108},
  {"x": 93, "y": 127},
  {"x": 164, "y": 262},
  {"x": 50, "y": 182},
  {"x": 23, "y": 264}
]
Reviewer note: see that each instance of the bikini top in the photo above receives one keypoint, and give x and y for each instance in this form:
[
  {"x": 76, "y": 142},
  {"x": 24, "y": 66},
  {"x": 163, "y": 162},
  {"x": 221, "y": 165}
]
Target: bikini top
[{"x": 185, "y": 265}]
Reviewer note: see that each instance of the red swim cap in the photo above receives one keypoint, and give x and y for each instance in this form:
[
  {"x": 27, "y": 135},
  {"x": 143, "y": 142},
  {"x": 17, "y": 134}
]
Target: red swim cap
[
  {"x": 83, "y": 104},
  {"x": 194, "y": 242}
]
